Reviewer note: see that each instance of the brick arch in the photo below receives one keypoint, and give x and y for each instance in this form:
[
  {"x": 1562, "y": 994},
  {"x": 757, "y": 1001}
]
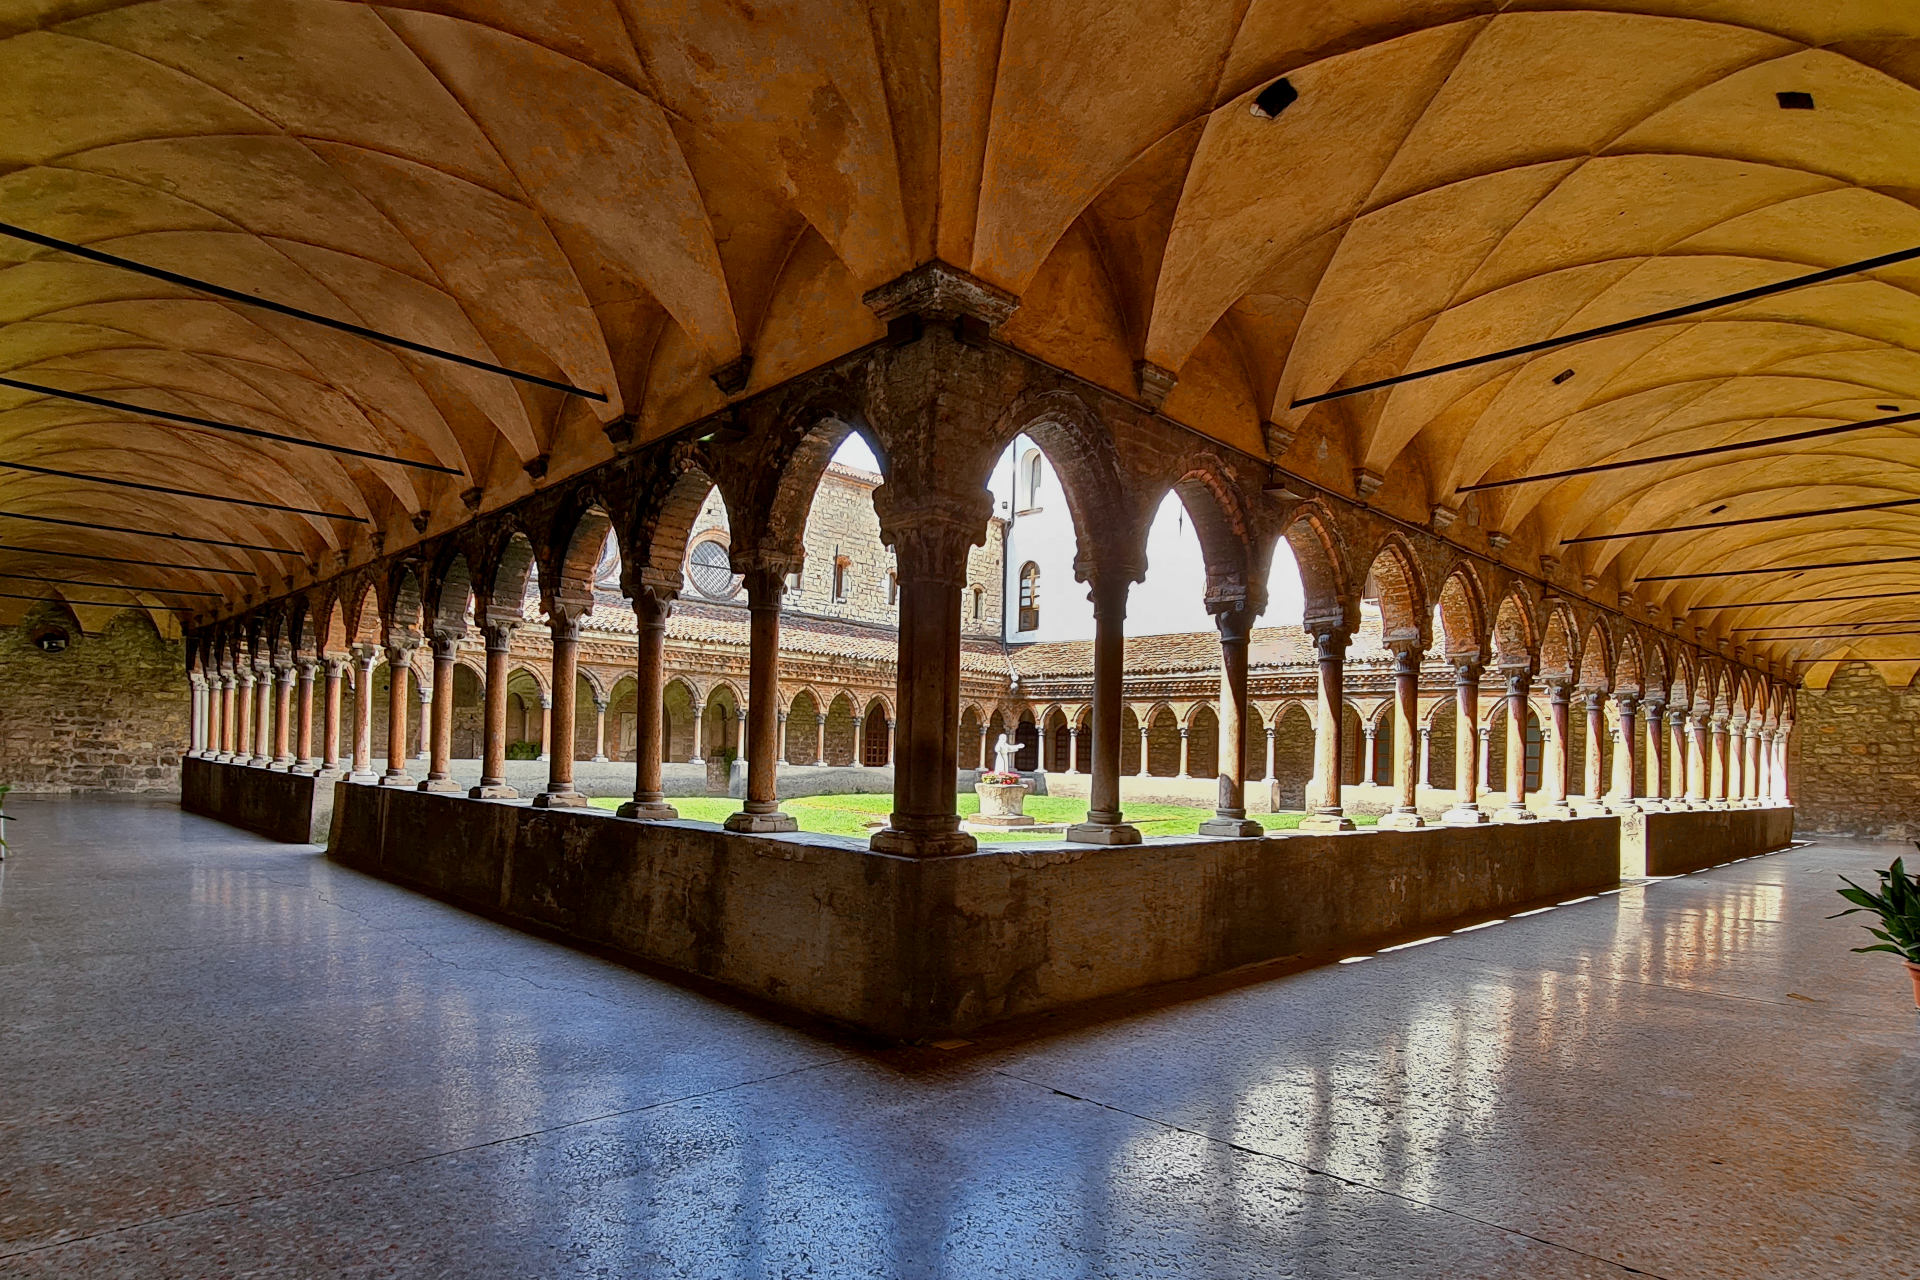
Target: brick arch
[
  {"x": 1684, "y": 684},
  {"x": 720, "y": 684},
  {"x": 1236, "y": 559},
  {"x": 449, "y": 588},
  {"x": 1658, "y": 678},
  {"x": 1317, "y": 550},
  {"x": 1405, "y": 617},
  {"x": 510, "y": 568},
  {"x": 402, "y": 605},
  {"x": 1461, "y": 610},
  {"x": 541, "y": 680},
  {"x": 361, "y": 617},
  {"x": 594, "y": 682},
  {"x": 1629, "y": 669},
  {"x": 1596, "y": 659},
  {"x": 817, "y": 428},
  {"x": 1110, "y": 529},
  {"x": 1516, "y": 637},
  {"x": 1560, "y": 646},
  {"x": 579, "y": 532},
  {"x": 655, "y": 542}
]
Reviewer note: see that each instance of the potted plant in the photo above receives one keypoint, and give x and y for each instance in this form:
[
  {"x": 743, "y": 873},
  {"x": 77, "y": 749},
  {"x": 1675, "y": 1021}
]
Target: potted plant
[{"x": 1898, "y": 906}]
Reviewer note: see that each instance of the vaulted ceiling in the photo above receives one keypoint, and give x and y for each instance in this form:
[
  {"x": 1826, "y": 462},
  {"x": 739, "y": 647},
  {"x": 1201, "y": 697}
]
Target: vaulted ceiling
[{"x": 627, "y": 196}]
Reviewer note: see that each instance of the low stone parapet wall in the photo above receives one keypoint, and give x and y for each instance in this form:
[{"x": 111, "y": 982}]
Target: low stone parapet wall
[
  {"x": 280, "y": 806},
  {"x": 1674, "y": 842},
  {"x": 912, "y": 950}
]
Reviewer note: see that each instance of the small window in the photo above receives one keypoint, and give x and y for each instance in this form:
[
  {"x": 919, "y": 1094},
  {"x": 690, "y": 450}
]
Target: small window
[
  {"x": 712, "y": 570},
  {"x": 979, "y": 604},
  {"x": 842, "y": 578},
  {"x": 793, "y": 583},
  {"x": 1029, "y": 596},
  {"x": 1033, "y": 479},
  {"x": 893, "y": 587}
]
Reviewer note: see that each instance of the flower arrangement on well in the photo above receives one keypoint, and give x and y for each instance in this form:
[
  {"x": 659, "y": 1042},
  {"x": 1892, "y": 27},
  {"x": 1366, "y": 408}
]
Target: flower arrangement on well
[{"x": 1000, "y": 779}]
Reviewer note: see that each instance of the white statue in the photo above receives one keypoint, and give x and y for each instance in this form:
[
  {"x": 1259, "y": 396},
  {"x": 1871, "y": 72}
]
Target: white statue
[{"x": 1003, "y": 752}]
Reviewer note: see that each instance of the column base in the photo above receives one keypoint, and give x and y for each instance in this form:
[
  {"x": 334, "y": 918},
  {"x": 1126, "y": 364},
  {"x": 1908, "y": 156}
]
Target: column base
[
  {"x": 1402, "y": 820},
  {"x": 1514, "y": 814},
  {"x": 935, "y": 844},
  {"x": 601, "y": 760},
  {"x": 444, "y": 786},
  {"x": 1595, "y": 809},
  {"x": 1465, "y": 815},
  {"x": 1327, "y": 822},
  {"x": 690, "y": 759},
  {"x": 493, "y": 791},
  {"x": 1236, "y": 828},
  {"x": 560, "y": 800},
  {"x": 1559, "y": 811},
  {"x": 648, "y": 811},
  {"x": 397, "y": 780},
  {"x": 1109, "y": 833},
  {"x": 366, "y": 779},
  {"x": 755, "y": 824},
  {"x": 304, "y": 770},
  {"x": 279, "y": 766}
]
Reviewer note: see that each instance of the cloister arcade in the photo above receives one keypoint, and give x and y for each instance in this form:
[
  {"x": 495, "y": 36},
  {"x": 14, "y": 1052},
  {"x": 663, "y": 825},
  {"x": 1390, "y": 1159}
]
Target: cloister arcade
[{"x": 1566, "y": 697}]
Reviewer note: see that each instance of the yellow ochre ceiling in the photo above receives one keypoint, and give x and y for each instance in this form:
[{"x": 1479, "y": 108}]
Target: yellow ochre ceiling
[{"x": 627, "y": 196}]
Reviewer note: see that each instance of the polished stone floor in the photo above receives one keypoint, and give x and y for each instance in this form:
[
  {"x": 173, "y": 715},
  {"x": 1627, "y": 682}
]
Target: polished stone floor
[{"x": 225, "y": 1057}]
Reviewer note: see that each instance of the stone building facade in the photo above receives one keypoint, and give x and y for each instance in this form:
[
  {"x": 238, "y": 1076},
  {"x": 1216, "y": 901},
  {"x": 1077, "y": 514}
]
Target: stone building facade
[{"x": 1857, "y": 756}]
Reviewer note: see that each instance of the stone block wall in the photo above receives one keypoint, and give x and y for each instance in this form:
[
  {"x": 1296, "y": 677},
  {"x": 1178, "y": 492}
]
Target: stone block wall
[
  {"x": 107, "y": 713},
  {"x": 1854, "y": 763}
]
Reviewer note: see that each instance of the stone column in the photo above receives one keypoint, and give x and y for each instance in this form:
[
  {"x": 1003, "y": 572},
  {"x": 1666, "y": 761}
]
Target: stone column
[
  {"x": 820, "y": 737},
  {"x": 1186, "y": 768},
  {"x": 399, "y": 661},
  {"x": 1559, "y": 759},
  {"x": 1654, "y": 718},
  {"x": 546, "y": 724},
  {"x": 1426, "y": 756},
  {"x": 1406, "y": 752},
  {"x": 194, "y": 719},
  {"x": 599, "y": 731},
  {"x": 930, "y": 534},
  {"x": 1273, "y": 759},
  {"x": 1733, "y": 762},
  {"x": 1466, "y": 810},
  {"x": 493, "y": 716},
  {"x": 1235, "y": 626},
  {"x": 760, "y": 812},
  {"x": 243, "y": 748},
  {"x": 1766, "y": 766},
  {"x": 1626, "y": 758},
  {"x": 563, "y": 624},
  {"x": 1697, "y": 759},
  {"x": 283, "y": 678},
  {"x": 699, "y": 733},
  {"x": 304, "y": 761},
  {"x": 860, "y": 721},
  {"x": 365, "y": 656},
  {"x": 892, "y": 760},
  {"x": 423, "y": 745},
  {"x": 1717, "y": 762},
  {"x": 230, "y": 717},
  {"x": 1330, "y": 645},
  {"x": 1595, "y": 800},
  {"x": 264, "y": 698},
  {"x": 1783, "y": 776},
  {"x": 440, "y": 716},
  {"x": 1370, "y": 735},
  {"x": 1486, "y": 758},
  {"x": 1751, "y": 773},
  {"x": 330, "y": 717},
  {"x": 1519, "y": 680},
  {"x": 1677, "y": 757},
  {"x": 1143, "y": 771},
  {"x": 651, "y": 607}
]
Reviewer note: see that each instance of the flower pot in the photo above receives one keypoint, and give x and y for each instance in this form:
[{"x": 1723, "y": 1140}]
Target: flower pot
[{"x": 1913, "y": 971}]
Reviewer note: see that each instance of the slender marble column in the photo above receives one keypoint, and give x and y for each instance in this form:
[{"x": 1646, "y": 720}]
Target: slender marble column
[
  {"x": 304, "y": 762},
  {"x": 1677, "y": 757},
  {"x": 1466, "y": 744},
  {"x": 243, "y": 750},
  {"x": 1186, "y": 755},
  {"x": 1766, "y": 766},
  {"x": 1142, "y": 772},
  {"x": 1230, "y": 811},
  {"x": 1654, "y": 720},
  {"x": 1717, "y": 763},
  {"x": 819, "y": 737},
  {"x": 1750, "y": 774},
  {"x": 651, "y": 606},
  {"x": 230, "y": 716},
  {"x": 563, "y": 624},
  {"x": 1518, "y": 682},
  {"x": 1370, "y": 734},
  {"x": 1426, "y": 756},
  {"x": 1406, "y": 713},
  {"x": 1272, "y": 758},
  {"x": 1627, "y": 756},
  {"x": 330, "y": 716},
  {"x": 423, "y": 691},
  {"x": 440, "y": 716},
  {"x": 700, "y": 731},
  {"x": 1330, "y": 645},
  {"x": 760, "y": 812},
  {"x": 283, "y": 678},
  {"x": 1783, "y": 775},
  {"x": 1697, "y": 759},
  {"x": 399, "y": 661},
  {"x": 366, "y": 655},
  {"x": 1559, "y": 760},
  {"x": 599, "y": 732},
  {"x": 1595, "y": 800},
  {"x": 493, "y": 715},
  {"x": 1735, "y": 763}
]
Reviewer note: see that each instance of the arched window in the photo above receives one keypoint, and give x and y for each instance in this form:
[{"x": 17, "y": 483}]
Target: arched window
[
  {"x": 1033, "y": 479},
  {"x": 979, "y": 604},
  {"x": 893, "y": 587},
  {"x": 842, "y": 577},
  {"x": 1029, "y": 596}
]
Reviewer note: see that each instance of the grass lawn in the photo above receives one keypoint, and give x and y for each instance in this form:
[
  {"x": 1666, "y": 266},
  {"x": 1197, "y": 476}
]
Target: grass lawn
[{"x": 849, "y": 815}]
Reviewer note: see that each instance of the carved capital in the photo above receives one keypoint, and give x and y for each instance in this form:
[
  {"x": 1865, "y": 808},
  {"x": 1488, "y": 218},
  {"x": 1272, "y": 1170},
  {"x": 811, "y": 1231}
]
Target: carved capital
[
  {"x": 499, "y": 634},
  {"x": 444, "y": 643},
  {"x": 1330, "y": 643},
  {"x": 931, "y": 534},
  {"x": 1406, "y": 659}
]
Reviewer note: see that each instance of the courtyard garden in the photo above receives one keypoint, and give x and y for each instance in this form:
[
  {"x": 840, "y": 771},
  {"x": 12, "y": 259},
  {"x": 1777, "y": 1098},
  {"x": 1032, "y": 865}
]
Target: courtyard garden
[{"x": 859, "y": 815}]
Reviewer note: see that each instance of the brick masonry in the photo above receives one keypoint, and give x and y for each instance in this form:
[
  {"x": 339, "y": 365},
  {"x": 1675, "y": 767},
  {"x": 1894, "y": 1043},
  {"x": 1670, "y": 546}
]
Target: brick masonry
[
  {"x": 1855, "y": 758},
  {"x": 108, "y": 713}
]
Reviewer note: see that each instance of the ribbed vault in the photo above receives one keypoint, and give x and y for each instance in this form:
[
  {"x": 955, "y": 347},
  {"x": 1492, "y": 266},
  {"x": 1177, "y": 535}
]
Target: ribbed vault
[{"x": 628, "y": 197}]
